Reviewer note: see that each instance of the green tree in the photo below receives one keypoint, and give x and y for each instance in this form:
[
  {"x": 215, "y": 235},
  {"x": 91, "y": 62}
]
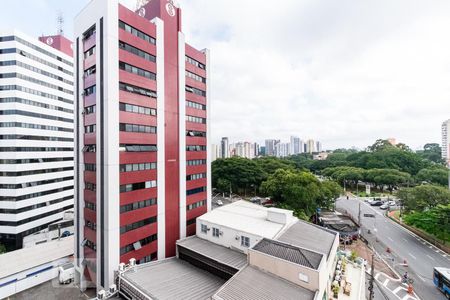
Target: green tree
[
  {"x": 391, "y": 178},
  {"x": 435, "y": 221},
  {"x": 270, "y": 164},
  {"x": 435, "y": 174},
  {"x": 432, "y": 152},
  {"x": 299, "y": 190},
  {"x": 423, "y": 197}
]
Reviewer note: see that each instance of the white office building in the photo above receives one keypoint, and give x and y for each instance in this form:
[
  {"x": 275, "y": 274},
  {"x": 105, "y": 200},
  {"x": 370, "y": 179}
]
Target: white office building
[
  {"x": 36, "y": 134},
  {"x": 446, "y": 141}
]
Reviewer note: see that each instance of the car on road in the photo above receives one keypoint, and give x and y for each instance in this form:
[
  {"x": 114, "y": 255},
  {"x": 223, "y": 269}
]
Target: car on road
[
  {"x": 219, "y": 202},
  {"x": 376, "y": 203}
]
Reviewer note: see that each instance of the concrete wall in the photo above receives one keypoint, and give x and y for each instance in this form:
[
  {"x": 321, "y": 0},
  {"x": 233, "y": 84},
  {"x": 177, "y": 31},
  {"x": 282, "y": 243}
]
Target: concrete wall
[
  {"x": 289, "y": 271},
  {"x": 229, "y": 238}
]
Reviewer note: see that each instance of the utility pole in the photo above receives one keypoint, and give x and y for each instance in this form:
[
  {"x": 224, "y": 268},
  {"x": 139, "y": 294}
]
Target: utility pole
[{"x": 359, "y": 215}]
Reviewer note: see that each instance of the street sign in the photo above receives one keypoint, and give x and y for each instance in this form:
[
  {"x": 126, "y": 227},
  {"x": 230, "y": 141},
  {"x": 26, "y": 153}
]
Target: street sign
[
  {"x": 367, "y": 189},
  {"x": 369, "y": 215}
]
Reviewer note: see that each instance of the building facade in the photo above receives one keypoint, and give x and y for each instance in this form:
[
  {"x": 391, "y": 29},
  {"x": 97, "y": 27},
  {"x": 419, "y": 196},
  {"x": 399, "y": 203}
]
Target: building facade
[
  {"x": 224, "y": 148},
  {"x": 36, "y": 134},
  {"x": 446, "y": 142},
  {"x": 142, "y": 118}
]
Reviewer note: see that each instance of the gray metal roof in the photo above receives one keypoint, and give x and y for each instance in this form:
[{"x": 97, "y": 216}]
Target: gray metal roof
[
  {"x": 290, "y": 253},
  {"x": 252, "y": 283},
  {"x": 173, "y": 279},
  {"x": 216, "y": 252},
  {"x": 309, "y": 236}
]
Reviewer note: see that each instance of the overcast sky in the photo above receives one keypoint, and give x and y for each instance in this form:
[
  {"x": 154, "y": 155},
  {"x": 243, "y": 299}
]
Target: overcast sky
[{"x": 343, "y": 72}]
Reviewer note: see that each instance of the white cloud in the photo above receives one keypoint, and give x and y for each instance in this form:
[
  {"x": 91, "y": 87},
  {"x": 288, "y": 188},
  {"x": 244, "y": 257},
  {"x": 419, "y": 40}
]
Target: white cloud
[{"x": 344, "y": 72}]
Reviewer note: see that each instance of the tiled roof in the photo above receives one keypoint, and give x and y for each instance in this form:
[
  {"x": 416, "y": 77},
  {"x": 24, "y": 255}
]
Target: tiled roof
[{"x": 290, "y": 253}]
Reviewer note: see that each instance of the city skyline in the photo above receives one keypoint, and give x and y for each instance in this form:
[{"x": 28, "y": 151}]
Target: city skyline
[{"x": 317, "y": 75}]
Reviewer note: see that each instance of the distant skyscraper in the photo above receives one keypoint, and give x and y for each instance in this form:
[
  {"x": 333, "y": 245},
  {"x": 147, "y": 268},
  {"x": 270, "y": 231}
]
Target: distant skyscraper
[
  {"x": 256, "y": 149},
  {"x": 36, "y": 134},
  {"x": 446, "y": 141},
  {"x": 270, "y": 147},
  {"x": 295, "y": 145},
  {"x": 310, "y": 146},
  {"x": 318, "y": 146},
  {"x": 224, "y": 148},
  {"x": 215, "y": 152}
]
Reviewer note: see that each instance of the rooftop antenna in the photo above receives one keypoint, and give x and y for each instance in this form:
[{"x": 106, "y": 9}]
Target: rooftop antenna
[
  {"x": 140, "y": 3},
  {"x": 60, "y": 23}
]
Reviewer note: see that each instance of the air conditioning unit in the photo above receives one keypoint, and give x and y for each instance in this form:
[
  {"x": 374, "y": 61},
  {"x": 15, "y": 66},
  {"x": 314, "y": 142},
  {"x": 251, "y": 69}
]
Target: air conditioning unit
[
  {"x": 121, "y": 267},
  {"x": 237, "y": 238},
  {"x": 112, "y": 289},
  {"x": 132, "y": 262},
  {"x": 101, "y": 295},
  {"x": 220, "y": 232}
]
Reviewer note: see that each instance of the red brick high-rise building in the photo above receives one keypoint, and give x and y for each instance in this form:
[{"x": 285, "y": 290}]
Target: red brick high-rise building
[{"x": 141, "y": 119}]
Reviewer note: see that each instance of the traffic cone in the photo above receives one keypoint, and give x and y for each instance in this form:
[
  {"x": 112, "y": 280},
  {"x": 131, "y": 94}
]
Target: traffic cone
[
  {"x": 410, "y": 289},
  {"x": 388, "y": 250},
  {"x": 405, "y": 263}
]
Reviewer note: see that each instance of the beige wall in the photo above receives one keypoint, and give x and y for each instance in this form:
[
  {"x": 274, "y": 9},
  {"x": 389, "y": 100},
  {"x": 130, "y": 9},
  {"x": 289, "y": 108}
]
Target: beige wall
[{"x": 289, "y": 271}]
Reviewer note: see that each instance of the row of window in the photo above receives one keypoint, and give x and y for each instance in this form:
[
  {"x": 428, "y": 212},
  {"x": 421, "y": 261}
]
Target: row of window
[
  {"x": 90, "y": 205},
  {"x": 148, "y": 258},
  {"x": 137, "y": 109},
  {"x": 137, "y": 167},
  {"x": 91, "y": 245},
  {"x": 90, "y": 167},
  {"x": 34, "y": 69},
  {"x": 196, "y": 162},
  {"x": 195, "y": 77},
  {"x": 196, "y": 205},
  {"x": 34, "y": 115},
  {"x": 34, "y": 138},
  {"x": 34, "y": 206},
  {"x": 137, "y": 128},
  {"x": 89, "y": 91},
  {"x": 34, "y": 160},
  {"x": 136, "y": 51},
  {"x": 136, "y": 32},
  {"x": 34, "y": 149},
  {"x": 137, "y": 225},
  {"x": 89, "y": 128},
  {"x": 195, "y": 148},
  {"x": 88, "y": 33},
  {"x": 34, "y": 103},
  {"x": 196, "y": 119},
  {"x": 137, "y": 71},
  {"x": 90, "y": 71},
  {"x": 34, "y": 126},
  {"x": 90, "y": 186},
  {"x": 35, "y": 195},
  {"x": 33, "y": 172},
  {"x": 89, "y": 52},
  {"x": 35, "y": 81},
  {"x": 137, "y": 205},
  {"x": 137, "y": 186},
  {"x": 137, "y": 245},
  {"x": 35, "y": 58},
  {"x": 91, "y": 225},
  {"x": 14, "y": 186},
  {"x": 89, "y": 148},
  {"x": 137, "y": 148},
  {"x": 195, "y": 176},
  {"x": 43, "y": 51},
  {"x": 195, "y": 133},
  {"x": 245, "y": 240},
  {"x": 20, "y": 88},
  {"x": 196, "y": 190},
  {"x": 196, "y": 91},
  {"x": 136, "y": 90},
  {"x": 36, "y": 217},
  {"x": 195, "y": 63},
  {"x": 89, "y": 109},
  {"x": 195, "y": 105}
]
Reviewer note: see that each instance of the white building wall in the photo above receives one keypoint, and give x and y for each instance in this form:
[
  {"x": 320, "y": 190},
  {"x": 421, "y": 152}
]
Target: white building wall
[{"x": 45, "y": 106}]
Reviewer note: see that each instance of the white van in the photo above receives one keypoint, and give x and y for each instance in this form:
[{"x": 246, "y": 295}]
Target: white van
[{"x": 66, "y": 273}]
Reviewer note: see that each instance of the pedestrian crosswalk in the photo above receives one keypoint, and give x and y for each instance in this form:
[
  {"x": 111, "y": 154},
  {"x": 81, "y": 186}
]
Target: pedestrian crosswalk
[{"x": 398, "y": 289}]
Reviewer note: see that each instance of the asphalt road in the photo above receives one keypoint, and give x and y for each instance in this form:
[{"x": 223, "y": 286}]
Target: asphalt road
[{"x": 420, "y": 255}]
